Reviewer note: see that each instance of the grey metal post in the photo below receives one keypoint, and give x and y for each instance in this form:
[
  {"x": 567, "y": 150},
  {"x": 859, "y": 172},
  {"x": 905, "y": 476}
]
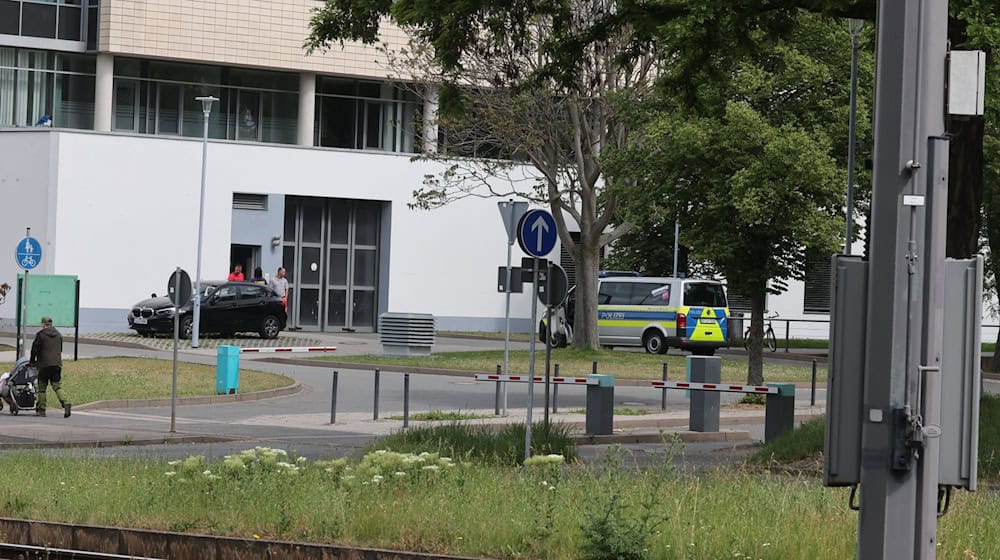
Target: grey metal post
[
  {"x": 555, "y": 391},
  {"x": 206, "y": 106},
  {"x": 406, "y": 400},
  {"x": 22, "y": 339},
  {"x": 378, "y": 375},
  {"x": 855, "y": 26},
  {"x": 173, "y": 382},
  {"x": 531, "y": 359},
  {"x": 496, "y": 399},
  {"x": 506, "y": 314},
  {"x": 677, "y": 231},
  {"x": 779, "y": 411},
  {"x": 812, "y": 392},
  {"x": 333, "y": 398},
  {"x": 704, "y": 412},
  {"x": 909, "y": 111},
  {"x": 787, "y": 331},
  {"x": 548, "y": 347},
  {"x": 663, "y": 393},
  {"x": 593, "y": 368}
]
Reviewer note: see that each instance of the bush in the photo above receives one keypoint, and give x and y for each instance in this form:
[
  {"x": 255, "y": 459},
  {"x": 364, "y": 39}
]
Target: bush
[
  {"x": 481, "y": 443},
  {"x": 802, "y": 442}
]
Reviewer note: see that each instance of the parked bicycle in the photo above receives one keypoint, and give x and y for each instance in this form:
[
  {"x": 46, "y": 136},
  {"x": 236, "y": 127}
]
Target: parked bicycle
[{"x": 770, "y": 340}]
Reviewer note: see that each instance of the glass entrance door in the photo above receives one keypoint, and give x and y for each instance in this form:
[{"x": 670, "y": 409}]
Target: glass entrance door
[{"x": 331, "y": 254}]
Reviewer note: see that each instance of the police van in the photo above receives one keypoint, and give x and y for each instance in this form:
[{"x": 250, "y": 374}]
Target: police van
[{"x": 656, "y": 314}]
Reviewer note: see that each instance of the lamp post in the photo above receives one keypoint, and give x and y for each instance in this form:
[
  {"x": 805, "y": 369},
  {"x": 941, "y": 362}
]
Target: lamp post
[
  {"x": 855, "y": 26},
  {"x": 206, "y": 109}
]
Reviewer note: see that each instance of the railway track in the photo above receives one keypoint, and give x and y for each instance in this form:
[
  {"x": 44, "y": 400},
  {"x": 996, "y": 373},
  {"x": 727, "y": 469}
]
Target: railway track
[{"x": 26, "y": 552}]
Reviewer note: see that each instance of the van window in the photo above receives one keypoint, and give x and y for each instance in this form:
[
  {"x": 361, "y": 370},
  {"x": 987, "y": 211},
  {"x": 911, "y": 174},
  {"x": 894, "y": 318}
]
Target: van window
[
  {"x": 646, "y": 296},
  {"x": 704, "y": 294},
  {"x": 614, "y": 293}
]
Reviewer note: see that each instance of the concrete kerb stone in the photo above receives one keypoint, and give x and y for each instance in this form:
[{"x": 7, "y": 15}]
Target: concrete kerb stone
[
  {"x": 208, "y": 399},
  {"x": 131, "y": 442}
]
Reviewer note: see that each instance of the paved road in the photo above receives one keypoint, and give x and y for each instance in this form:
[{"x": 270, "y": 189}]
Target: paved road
[{"x": 301, "y": 422}]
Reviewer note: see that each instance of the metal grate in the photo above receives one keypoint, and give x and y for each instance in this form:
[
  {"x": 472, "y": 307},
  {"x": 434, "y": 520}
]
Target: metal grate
[
  {"x": 817, "y": 285},
  {"x": 248, "y": 201}
]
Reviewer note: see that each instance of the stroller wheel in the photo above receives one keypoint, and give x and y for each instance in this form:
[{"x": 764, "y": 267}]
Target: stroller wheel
[{"x": 13, "y": 409}]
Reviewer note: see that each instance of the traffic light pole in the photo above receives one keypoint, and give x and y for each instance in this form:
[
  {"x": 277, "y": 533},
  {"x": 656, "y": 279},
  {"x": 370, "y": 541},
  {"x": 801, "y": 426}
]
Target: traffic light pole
[{"x": 898, "y": 448}]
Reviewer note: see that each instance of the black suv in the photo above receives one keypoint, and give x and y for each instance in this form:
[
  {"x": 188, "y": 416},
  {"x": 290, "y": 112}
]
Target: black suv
[{"x": 226, "y": 308}]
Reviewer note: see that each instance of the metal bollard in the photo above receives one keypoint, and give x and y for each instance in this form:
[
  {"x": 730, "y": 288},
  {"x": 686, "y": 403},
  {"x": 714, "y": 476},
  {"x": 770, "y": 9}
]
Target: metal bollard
[
  {"x": 779, "y": 411},
  {"x": 406, "y": 400},
  {"x": 812, "y": 394},
  {"x": 377, "y": 375},
  {"x": 333, "y": 398},
  {"x": 555, "y": 390},
  {"x": 593, "y": 369},
  {"x": 496, "y": 399},
  {"x": 787, "y": 329},
  {"x": 663, "y": 394}
]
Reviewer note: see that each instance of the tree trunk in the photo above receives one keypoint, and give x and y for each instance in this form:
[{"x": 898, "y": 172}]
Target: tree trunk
[
  {"x": 585, "y": 324},
  {"x": 755, "y": 350},
  {"x": 965, "y": 185}
]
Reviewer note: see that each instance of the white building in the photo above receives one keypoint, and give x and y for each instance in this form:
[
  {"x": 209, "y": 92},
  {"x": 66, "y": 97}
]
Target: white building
[{"x": 308, "y": 167}]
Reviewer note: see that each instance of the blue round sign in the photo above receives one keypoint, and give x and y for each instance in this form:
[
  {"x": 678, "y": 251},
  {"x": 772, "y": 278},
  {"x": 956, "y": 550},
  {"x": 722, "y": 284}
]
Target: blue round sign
[
  {"x": 536, "y": 233},
  {"x": 28, "y": 253}
]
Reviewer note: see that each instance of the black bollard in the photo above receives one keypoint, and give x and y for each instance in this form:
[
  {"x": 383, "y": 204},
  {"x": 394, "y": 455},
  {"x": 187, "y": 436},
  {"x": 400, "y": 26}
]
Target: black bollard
[
  {"x": 377, "y": 375},
  {"x": 333, "y": 399}
]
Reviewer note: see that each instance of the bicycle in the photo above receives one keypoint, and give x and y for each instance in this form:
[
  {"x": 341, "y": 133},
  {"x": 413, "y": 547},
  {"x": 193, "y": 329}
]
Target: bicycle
[{"x": 770, "y": 340}]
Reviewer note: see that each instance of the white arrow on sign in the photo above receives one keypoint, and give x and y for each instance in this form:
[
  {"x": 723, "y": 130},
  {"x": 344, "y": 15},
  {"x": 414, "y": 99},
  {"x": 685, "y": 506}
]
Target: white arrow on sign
[{"x": 541, "y": 228}]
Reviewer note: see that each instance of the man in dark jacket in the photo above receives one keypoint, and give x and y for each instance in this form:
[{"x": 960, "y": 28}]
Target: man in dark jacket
[{"x": 46, "y": 355}]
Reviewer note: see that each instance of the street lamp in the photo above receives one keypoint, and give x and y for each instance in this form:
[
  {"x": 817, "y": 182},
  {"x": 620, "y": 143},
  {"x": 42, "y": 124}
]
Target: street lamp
[
  {"x": 206, "y": 109},
  {"x": 855, "y": 26}
]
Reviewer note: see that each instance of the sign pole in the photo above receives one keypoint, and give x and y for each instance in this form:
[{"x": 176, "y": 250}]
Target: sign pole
[
  {"x": 548, "y": 340},
  {"x": 531, "y": 361},
  {"x": 506, "y": 316},
  {"x": 173, "y": 384},
  {"x": 24, "y": 301}
]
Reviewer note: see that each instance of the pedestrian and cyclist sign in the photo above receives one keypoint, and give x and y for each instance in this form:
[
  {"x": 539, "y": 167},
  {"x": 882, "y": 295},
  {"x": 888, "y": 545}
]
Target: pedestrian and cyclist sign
[{"x": 28, "y": 253}]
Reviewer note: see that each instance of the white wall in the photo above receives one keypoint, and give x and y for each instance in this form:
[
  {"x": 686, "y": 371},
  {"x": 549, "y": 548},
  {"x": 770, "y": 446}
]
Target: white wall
[
  {"x": 128, "y": 207},
  {"x": 27, "y": 185}
]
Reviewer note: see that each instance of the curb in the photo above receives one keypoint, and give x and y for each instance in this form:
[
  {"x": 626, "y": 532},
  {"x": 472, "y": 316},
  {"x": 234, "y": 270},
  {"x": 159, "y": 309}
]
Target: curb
[
  {"x": 118, "y": 443},
  {"x": 685, "y": 436},
  {"x": 209, "y": 399}
]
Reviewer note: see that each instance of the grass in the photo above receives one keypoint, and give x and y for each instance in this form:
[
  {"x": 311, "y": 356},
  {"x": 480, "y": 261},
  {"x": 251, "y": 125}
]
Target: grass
[
  {"x": 491, "y": 511},
  {"x": 5, "y": 348},
  {"x": 440, "y": 416},
  {"x": 806, "y": 441},
  {"x": 621, "y": 364},
  {"x": 502, "y": 445},
  {"x": 95, "y": 379}
]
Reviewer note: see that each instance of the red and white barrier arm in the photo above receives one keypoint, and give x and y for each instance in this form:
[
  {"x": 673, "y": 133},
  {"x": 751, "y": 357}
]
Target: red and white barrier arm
[
  {"x": 723, "y": 387},
  {"x": 538, "y": 379},
  {"x": 288, "y": 349}
]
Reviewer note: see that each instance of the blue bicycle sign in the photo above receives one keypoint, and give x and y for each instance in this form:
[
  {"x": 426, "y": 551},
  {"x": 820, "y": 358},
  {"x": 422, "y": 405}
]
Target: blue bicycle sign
[{"x": 28, "y": 253}]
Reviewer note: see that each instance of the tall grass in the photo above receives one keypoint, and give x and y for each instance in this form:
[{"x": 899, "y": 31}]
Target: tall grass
[
  {"x": 499, "y": 512},
  {"x": 482, "y": 443}
]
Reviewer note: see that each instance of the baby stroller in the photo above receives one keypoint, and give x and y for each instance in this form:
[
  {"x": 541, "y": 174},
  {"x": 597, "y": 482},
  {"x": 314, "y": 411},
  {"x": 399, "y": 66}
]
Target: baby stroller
[{"x": 18, "y": 388}]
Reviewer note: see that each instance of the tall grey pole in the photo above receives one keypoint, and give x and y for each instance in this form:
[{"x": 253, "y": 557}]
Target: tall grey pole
[
  {"x": 909, "y": 115},
  {"x": 173, "y": 383},
  {"x": 856, "y": 25},
  {"x": 21, "y": 350},
  {"x": 531, "y": 359},
  {"x": 677, "y": 232},
  {"x": 206, "y": 105},
  {"x": 506, "y": 315}
]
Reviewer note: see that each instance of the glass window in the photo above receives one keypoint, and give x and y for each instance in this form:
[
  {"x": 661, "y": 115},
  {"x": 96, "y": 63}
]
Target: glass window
[
  {"x": 252, "y": 292},
  {"x": 312, "y": 223},
  {"x": 168, "y": 109},
  {"x": 248, "y": 116},
  {"x": 291, "y": 211},
  {"x": 38, "y": 20},
  {"x": 310, "y": 269},
  {"x": 126, "y": 99},
  {"x": 340, "y": 223},
  {"x": 336, "y": 86},
  {"x": 364, "y": 267},
  {"x": 704, "y": 294},
  {"x": 281, "y": 118},
  {"x": 10, "y": 17},
  {"x": 93, "y": 28},
  {"x": 661, "y": 298},
  {"x": 225, "y": 294},
  {"x": 194, "y": 116},
  {"x": 338, "y": 267},
  {"x": 73, "y": 101},
  {"x": 366, "y": 224},
  {"x": 84, "y": 64},
  {"x": 288, "y": 261},
  {"x": 69, "y": 23},
  {"x": 336, "y": 122},
  {"x": 614, "y": 293}
]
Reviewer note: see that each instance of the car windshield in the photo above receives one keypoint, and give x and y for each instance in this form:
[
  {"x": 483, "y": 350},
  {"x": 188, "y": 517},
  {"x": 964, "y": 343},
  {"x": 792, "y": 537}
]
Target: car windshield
[
  {"x": 207, "y": 290},
  {"x": 704, "y": 294}
]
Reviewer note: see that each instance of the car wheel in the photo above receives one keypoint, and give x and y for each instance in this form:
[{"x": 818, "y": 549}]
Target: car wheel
[
  {"x": 187, "y": 327},
  {"x": 270, "y": 327},
  {"x": 654, "y": 343}
]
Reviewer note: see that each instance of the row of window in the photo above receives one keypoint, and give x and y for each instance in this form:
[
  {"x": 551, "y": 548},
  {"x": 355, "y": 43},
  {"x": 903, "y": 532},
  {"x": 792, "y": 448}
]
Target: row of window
[
  {"x": 46, "y": 88},
  {"x": 67, "y": 20}
]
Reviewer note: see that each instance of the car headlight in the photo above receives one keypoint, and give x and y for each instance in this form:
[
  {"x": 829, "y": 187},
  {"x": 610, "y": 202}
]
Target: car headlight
[{"x": 165, "y": 312}]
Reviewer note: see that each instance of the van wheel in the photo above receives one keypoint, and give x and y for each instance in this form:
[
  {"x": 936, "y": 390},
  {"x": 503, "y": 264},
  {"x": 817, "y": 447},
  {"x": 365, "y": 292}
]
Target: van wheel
[
  {"x": 558, "y": 340},
  {"x": 654, "y": 343}
]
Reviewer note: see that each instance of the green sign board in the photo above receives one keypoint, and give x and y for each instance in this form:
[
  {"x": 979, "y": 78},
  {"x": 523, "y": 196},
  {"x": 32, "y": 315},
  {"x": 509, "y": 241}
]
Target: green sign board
[{"x": 51, "y": 295}]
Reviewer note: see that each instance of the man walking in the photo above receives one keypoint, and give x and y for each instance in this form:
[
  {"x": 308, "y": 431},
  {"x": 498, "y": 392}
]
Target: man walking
[
  {"x": 280, "y": 286},
  {"x": 46, "y": 355}
]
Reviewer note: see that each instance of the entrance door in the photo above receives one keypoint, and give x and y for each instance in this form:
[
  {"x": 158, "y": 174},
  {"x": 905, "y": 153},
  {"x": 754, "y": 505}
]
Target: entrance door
[
  {"x": 331, "y": 255},
  {"x": 246, "y": 255}
]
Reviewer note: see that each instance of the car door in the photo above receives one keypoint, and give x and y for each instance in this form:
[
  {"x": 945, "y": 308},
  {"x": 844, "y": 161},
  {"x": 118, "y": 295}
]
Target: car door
[
  {"x": 218, "y": 314},
  {"x": 251, "y": 307}
]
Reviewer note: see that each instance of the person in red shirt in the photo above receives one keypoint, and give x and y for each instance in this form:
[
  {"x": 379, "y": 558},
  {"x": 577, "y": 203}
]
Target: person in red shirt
[{"x": 237, "y": 274}]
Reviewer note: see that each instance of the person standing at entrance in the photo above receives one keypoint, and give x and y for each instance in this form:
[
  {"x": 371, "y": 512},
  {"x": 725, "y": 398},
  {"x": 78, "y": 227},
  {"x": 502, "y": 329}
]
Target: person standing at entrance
[
  {"x": 280, "y": 286},
  {"x": 46, "y": 355},
  {"x": 237, "y": 274}
]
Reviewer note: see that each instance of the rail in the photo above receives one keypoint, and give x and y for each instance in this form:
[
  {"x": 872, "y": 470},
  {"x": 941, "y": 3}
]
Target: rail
[{"x": 28, "y": 552}]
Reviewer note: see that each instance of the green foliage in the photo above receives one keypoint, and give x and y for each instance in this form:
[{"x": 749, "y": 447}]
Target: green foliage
[
  {"x": 989, "y": 437},
  {"x": 481, "y": 443},
  {"x": 803, "y": 442},
  {"x": 754, "y": 399}
]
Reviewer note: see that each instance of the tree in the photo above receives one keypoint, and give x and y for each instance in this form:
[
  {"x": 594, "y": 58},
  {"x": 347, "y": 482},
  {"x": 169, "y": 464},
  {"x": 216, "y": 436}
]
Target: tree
[
  {"x": 502, "y": 97},
  {"x": 748, "y": 165}
]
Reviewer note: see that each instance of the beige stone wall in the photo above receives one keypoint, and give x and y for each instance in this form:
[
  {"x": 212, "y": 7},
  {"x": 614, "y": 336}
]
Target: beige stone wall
[{"x": 259, "y": 33}]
